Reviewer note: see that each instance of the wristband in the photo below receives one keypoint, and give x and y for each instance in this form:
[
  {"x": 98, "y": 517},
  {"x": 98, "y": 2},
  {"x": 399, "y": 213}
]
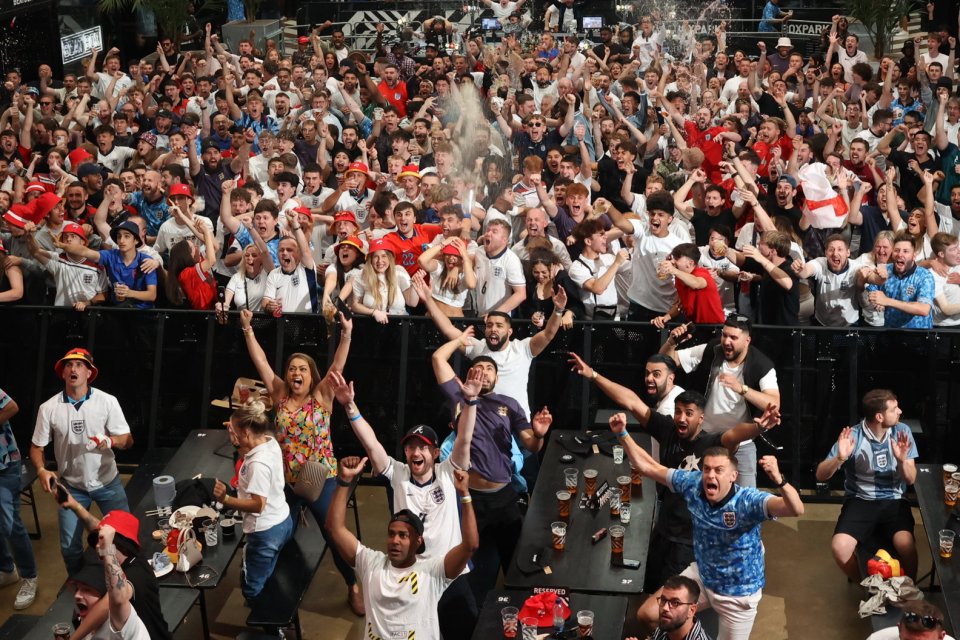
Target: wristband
[
  {"x": 356, "y": 417},
  {"x": 559, "y": 312},
  {"x": 623, "y": 434},
  {"x": 783, "y": 482},
  {"x": 473, "y": 402},
  {"x": 466, "y": 499},
  {"x": 341, "y": 482},
  {"x": 109, "y": 550},
  {"x": 109, "y": 442},
  {"x": 249, "y": 330},
  {"x": 744, "y": 389},
  {"x": 594, "y": 375},
  {"x": 841, "y": 459}
]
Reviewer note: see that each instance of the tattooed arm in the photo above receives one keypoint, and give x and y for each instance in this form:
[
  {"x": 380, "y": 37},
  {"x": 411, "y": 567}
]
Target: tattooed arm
[{"x": 119, "y": 589}]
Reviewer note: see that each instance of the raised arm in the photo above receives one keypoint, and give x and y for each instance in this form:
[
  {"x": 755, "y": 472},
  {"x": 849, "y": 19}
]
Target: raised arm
[
  {"x": 119, "y": 589},
  {"x": 620, "y": 394},
  {"x": 440, "y": 360},
  {"x": 639, "y": 458},
  {"x": 273, "y": 382},
  {"x": 343, "y": 539},
  {"x": 345, "y": 395},
  {"x": 680, "y": 201},
  {"x": 457, "y": 558}
]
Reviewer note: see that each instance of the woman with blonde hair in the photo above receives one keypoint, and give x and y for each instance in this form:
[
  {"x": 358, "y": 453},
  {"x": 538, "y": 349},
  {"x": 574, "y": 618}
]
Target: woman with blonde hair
[
  {"x": 381, "y": 289},
  {"x": 304, "y": 403},
  {"x": 451, "y": 274},
  {"x": 267, "y": 524}
]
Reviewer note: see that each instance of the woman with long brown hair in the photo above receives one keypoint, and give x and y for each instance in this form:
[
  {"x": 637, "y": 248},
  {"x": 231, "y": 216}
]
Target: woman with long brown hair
[{"x": 304, "y": 403}]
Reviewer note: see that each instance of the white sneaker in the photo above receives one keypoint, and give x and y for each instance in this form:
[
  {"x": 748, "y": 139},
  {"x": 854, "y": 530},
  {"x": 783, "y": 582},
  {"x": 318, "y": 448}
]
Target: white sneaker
[
  {"x": 9, "y": 577},
  {"x": 27, "y": 594}
]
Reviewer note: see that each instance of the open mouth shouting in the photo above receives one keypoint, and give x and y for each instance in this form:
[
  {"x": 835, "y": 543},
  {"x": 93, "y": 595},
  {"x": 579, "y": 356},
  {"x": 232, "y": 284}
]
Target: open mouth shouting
[
  {"x": 711, "y": 488},
  {"x": 418, "y": 465}
]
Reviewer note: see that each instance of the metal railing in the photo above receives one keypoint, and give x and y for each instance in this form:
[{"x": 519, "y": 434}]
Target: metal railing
[{"x": 166, "y": 366}]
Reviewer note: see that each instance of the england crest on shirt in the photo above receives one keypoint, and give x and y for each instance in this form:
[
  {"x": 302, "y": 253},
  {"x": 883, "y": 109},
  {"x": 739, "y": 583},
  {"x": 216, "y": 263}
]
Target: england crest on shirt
[
  {"x": 730, "y": 519},
  {"x": 881, "y": 461},
  {"x": 437, "y": 495},
  {"x": 78, "y": 426}
]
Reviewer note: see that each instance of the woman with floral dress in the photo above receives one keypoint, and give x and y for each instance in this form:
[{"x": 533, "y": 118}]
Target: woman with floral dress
[{"x": 303, "y": 403}]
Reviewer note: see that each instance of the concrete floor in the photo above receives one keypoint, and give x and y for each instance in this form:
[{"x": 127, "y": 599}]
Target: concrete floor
[{"x": 805, "y": 598}]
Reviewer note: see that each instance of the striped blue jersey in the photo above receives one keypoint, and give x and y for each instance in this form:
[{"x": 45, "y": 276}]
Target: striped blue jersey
[
  {"x": 916, "y": 285},
  {"x": 871, "y": 472},
  {"x": 726, "y": 536}
]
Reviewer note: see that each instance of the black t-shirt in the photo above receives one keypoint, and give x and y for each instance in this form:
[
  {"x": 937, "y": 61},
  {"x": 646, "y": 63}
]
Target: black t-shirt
[
  {"x": 793, "y": 214},
  {"x": 777, "y": 305},
  {"x": 703, "y": 222},
  {"x": 146, "y": 597},
  {"x": 673, "y": 521},
  {"x": 770, "y": 107},
  {"x": 911, "y": 183}
]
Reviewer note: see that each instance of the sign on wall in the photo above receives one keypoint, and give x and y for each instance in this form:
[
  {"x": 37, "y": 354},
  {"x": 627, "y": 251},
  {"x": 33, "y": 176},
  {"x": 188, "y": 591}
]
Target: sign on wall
[{"x": 79, "y": 45}]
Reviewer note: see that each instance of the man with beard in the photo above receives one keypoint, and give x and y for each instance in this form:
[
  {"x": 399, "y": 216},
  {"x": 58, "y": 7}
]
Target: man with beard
[
  {"x": 512, "y": 357},
  {"x": 292, "y": 286},
  {"x": 878, "y": 458},
  {"x": 700, "y": 135},
  {"x": 426, "y": 486},
  {"x": 835, "y": 275},
  {"x": 729, "y": 564},
  {"x": 715, "y": 213},
  {"x": 210, "y": 174},
  {"x": 76, "y": 417},
  {"x": 742, "y": 382},
  {"x": 400, "y": 589},
  {"x": 499, "y": 420},
  {"x": 678, "y": 611},
  {"x": 682, "y": 440},
  {"x": 150, "y": 203},
  {"x": 904, "y": 289}
]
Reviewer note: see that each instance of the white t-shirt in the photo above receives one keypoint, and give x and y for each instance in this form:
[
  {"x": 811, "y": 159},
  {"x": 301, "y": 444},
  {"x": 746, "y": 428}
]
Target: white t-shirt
[
  {"x": 103, "y": 81},
  {"x": 836, "y": 293},
  {"x": 584, "y": 269},
  {"x": 727, "y": 289},
  {"x": 502, "y": 12},
  {"x": 435, "y": 503},
  {"x": 70, "y": 429},
  {"x": 400, "y": 603},
  {"x": 292, "y": 289},
  {"x": 646, "y": 289},
  {"x": 513, "y": 368},
  {"x": 261, "y": 474},
  {"x": 133, "y": 629},
  {"x": 446, "y": 296},
  {"x": 398, "y": 307},
  {"x": 116, "y": 159},
  {"x": 75, "y": 281},
  {"x": 951, "y": 292},
  {"x": 725, "y": 407},
  {"x": 360, "y": 205},
  {"x": 496, "y": 277},
  {"x": 247, "y": 292},
  {"x": 847, "y": 62},
  {"x": 170, "y": 232}
]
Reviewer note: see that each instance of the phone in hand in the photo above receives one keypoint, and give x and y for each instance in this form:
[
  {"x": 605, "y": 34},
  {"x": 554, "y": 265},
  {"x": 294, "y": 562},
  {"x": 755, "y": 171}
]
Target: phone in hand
[
  {"x": 342, "y": 308},
  {"x": 62, "y": 495}
]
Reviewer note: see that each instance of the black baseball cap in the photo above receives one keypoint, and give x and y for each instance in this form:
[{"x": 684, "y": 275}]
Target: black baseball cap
[
  {"x": 423, "y": 433},
  {"x": 407, "y": 517}
]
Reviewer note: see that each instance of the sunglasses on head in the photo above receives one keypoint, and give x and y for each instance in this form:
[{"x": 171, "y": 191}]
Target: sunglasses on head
[{"x": 927, "y": 622}]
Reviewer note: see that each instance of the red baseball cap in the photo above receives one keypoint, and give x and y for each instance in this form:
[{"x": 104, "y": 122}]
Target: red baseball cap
[
  {"x": 75, "y": 229},
  {"x": 378, "y": 245}
]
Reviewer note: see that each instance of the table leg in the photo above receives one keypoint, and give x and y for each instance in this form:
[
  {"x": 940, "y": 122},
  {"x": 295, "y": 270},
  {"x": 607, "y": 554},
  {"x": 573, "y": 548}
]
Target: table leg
[{"x": 203, "y": 615}]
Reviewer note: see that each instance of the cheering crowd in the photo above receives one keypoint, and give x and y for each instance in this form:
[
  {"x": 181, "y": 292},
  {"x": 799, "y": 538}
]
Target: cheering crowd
[{"x": 445, "y": 176}]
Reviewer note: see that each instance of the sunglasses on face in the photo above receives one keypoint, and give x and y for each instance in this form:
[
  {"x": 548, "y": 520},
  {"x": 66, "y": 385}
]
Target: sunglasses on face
[{"x": 927, "y": 622}]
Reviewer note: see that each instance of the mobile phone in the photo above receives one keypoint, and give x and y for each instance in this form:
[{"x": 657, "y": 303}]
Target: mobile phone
[
  {"x": 343, "y": 308},
  {"x": 62, "y": 495},
  {"x": 631, "y": 564}
]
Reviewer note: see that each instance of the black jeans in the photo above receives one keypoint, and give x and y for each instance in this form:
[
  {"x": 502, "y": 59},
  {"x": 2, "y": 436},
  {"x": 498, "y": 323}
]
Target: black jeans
[{"x": 498, "y": 523}]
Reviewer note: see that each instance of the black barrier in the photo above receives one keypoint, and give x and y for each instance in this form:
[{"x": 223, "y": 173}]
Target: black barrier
[{"x": 166, "y": 366}]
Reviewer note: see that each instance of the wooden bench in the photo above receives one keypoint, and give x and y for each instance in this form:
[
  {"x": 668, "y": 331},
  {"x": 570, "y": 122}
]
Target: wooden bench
[{"x": 278, "y": 605}]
